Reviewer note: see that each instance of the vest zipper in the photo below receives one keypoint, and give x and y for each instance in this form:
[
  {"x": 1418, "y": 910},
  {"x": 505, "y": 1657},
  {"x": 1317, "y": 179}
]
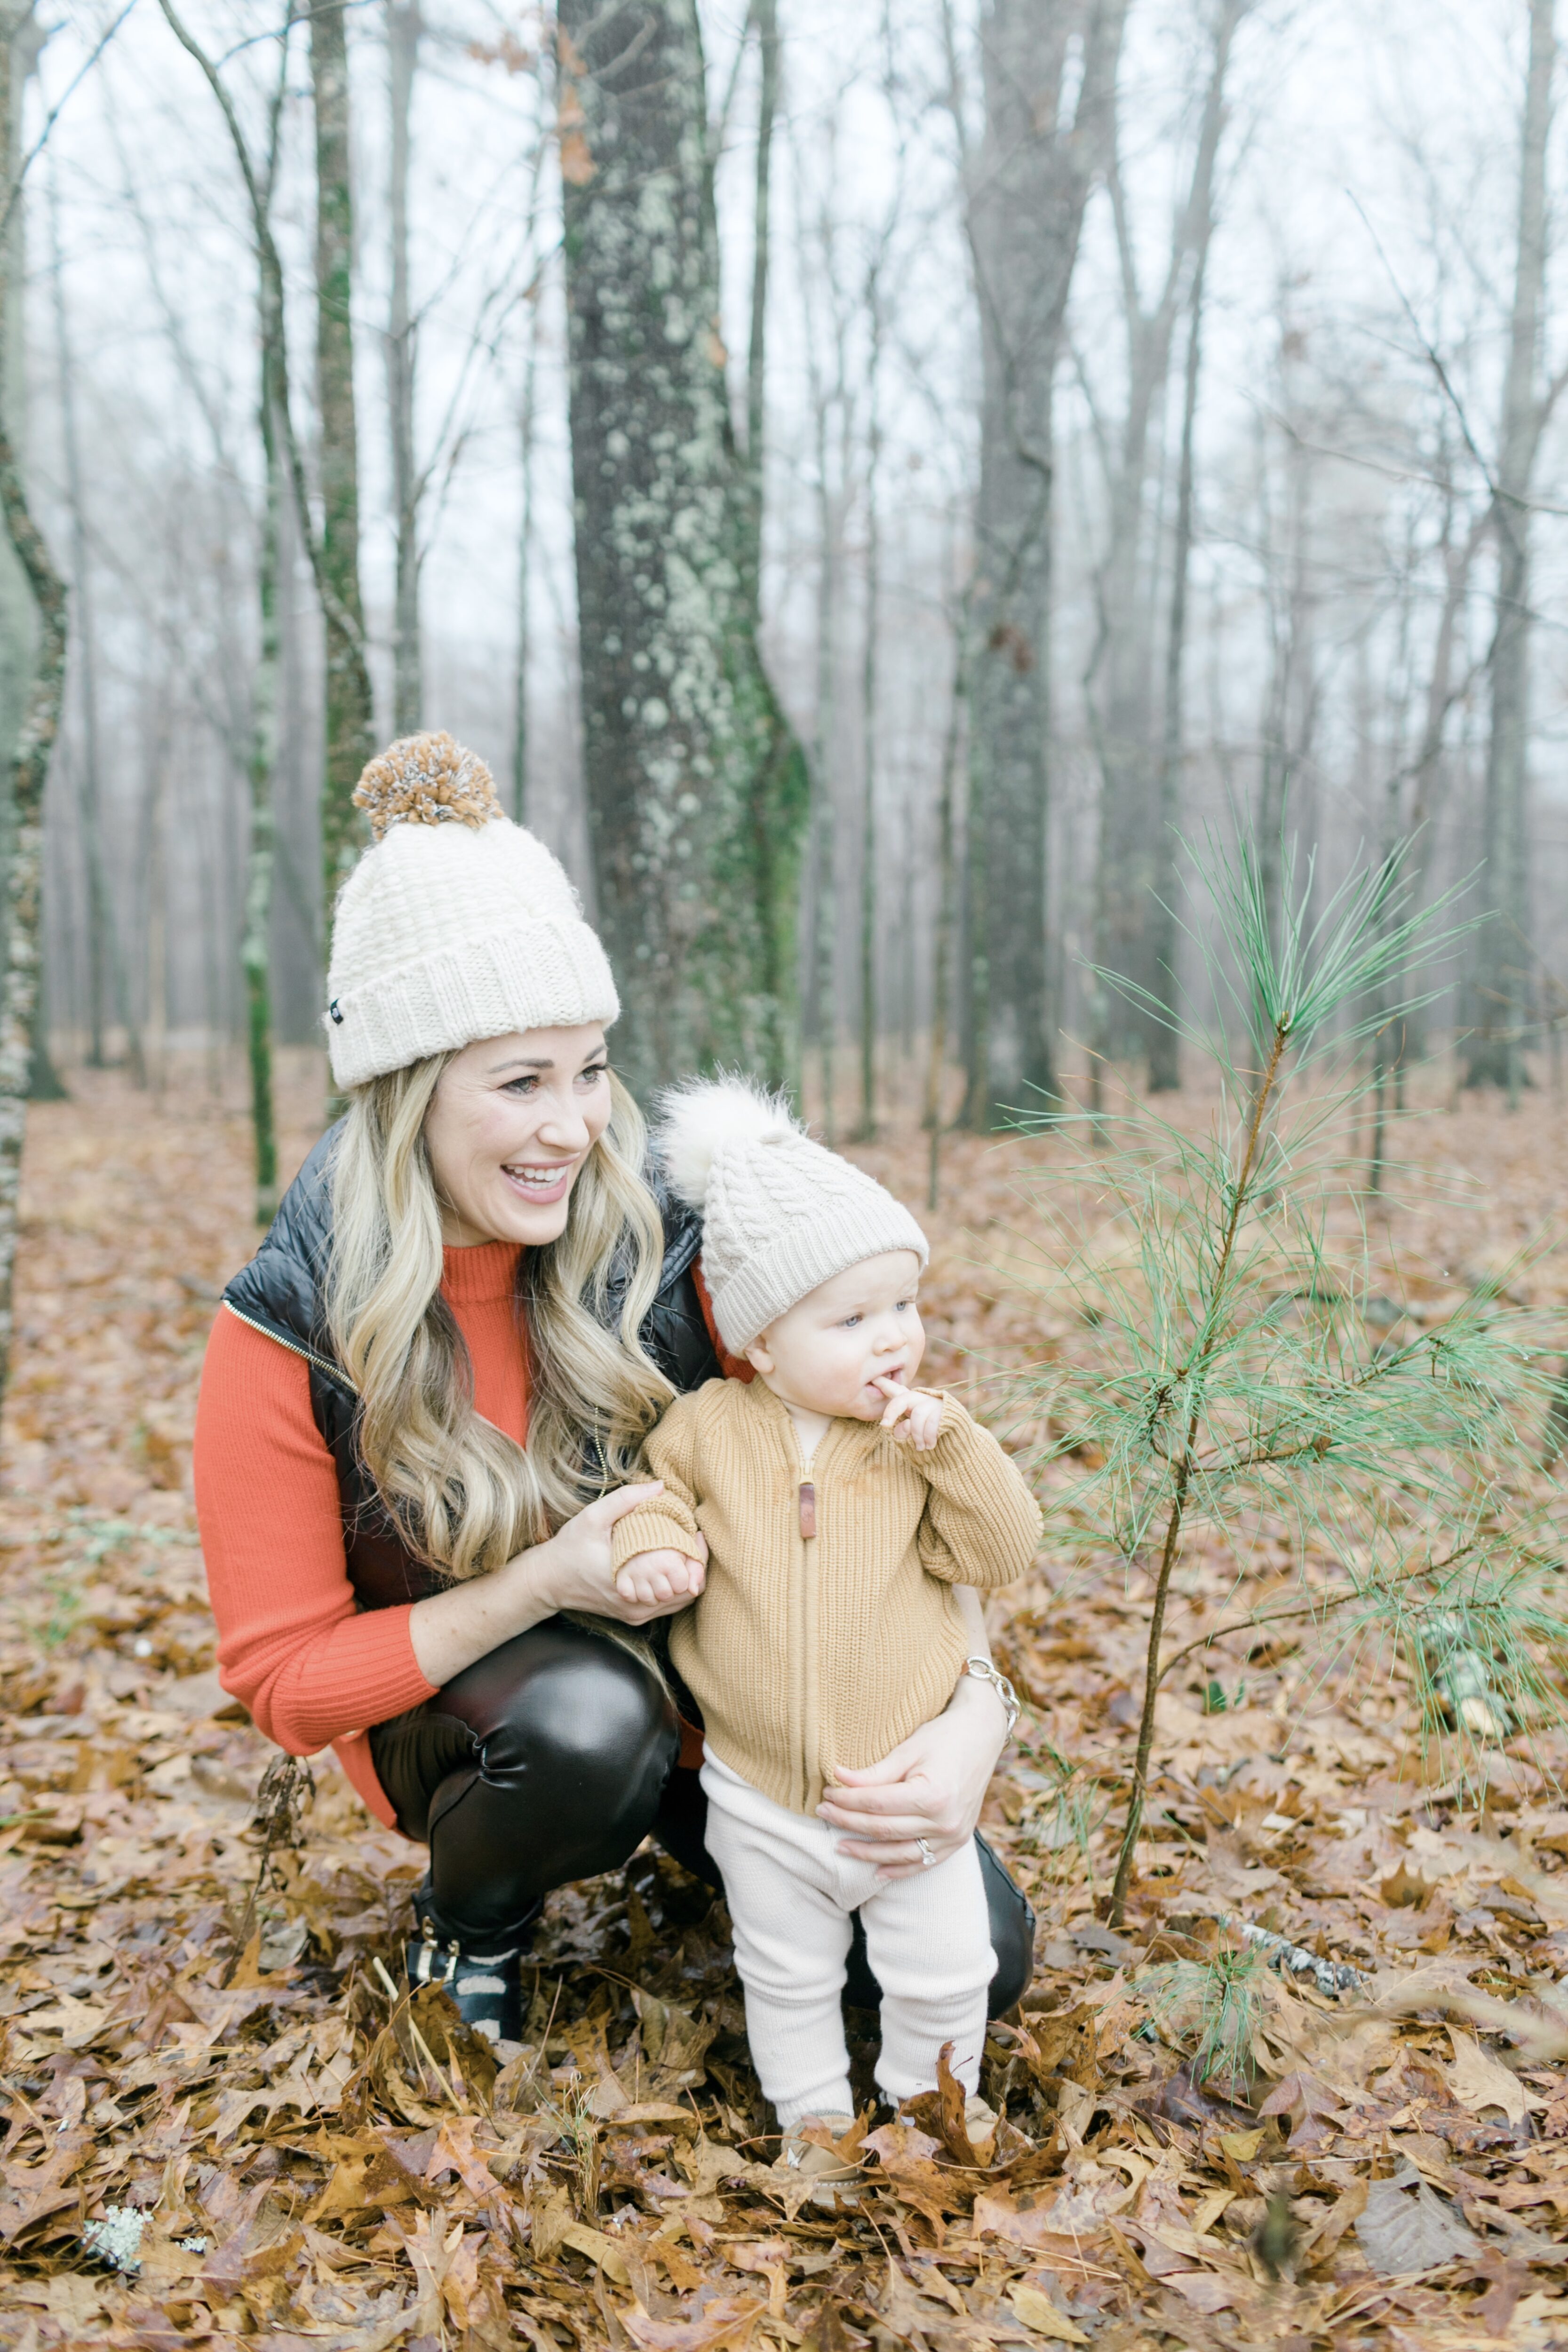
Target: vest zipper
[{"x": 296, "y": 1348}]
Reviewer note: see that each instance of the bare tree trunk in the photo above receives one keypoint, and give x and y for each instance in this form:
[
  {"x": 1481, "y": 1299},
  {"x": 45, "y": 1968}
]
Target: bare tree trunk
[
  {"x": 403, "y": 30},
  {"x": 1025, "y": 205},
  {"x": 696, "y": 788},
  {"x": 781, "y": 782},
  {"x": 1165, "y": 1065},
  {"x": 1120, "y": 681},
  {"x": 1494, "y": 1056},
  {"x": 29, "y": 764},
  {"x": 524, "y": 579},
  {"x": 157, "y": 1006},
  {"x": 106, "y": 977},
  {"x": 1291, "y": 707},
  {"x": 825, "y": 896},
  {"x": 867, "y": 1126},
  {"x": 350, "y": 720},
  {"x": 946, "y": 911},
  {"x": 277, "y": 451}
]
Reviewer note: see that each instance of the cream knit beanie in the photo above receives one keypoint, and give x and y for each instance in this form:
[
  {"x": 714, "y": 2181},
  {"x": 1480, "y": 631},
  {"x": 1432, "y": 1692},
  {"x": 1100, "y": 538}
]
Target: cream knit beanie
[
  {"x": 456, "y": 924},
  {"x": 779, "y": 1214}
]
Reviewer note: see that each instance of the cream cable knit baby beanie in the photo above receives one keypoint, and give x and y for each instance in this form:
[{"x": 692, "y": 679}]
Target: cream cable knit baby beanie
[
  {"x": 456, "y": 924},
  {"x": 779, "y": 1214}
]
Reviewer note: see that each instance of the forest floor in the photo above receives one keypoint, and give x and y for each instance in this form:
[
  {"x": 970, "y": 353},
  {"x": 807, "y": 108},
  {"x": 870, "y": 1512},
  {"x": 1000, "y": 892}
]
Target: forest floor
[{"x": 204, "y": 2142}]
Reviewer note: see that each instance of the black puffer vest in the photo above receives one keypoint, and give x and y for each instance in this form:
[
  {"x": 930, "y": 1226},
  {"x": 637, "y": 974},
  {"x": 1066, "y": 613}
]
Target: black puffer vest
[{"x": 280, "y": 1292}]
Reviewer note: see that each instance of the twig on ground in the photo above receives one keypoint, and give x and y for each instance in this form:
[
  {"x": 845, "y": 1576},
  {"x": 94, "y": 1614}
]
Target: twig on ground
[{"x": 1330, "y": 1977}]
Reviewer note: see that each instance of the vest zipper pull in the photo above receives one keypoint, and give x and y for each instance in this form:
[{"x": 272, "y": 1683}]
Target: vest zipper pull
[{"x": 807, "y": 1510}]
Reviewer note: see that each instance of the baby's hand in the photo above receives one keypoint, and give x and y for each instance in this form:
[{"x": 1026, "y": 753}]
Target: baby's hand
[
  {"x": 651, "y": 1577},
  {"x": 911, "y": 1415}
]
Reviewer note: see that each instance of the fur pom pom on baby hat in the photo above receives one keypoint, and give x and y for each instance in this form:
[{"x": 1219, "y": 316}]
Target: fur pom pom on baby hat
[
  {"x": 456, "y": 925},
  {"x": 779, "y": 1214}
]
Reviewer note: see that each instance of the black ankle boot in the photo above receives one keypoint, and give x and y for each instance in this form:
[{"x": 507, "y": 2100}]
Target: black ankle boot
[{"x": 484, "y": 1977}]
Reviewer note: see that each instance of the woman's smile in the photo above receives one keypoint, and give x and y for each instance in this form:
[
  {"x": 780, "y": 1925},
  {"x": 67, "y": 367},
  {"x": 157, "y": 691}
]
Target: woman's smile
[{"x": 546, "y": 1183}]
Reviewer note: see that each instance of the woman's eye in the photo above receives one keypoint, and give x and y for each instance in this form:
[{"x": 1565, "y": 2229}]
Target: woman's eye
[
  {"x": 591, "y": 1077},
  {"x": 522, "y": 1086}
]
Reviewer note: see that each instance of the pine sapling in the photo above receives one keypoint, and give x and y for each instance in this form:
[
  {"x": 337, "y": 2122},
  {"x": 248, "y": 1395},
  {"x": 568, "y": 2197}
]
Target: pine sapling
[{"x": 1231, "y": 1368}]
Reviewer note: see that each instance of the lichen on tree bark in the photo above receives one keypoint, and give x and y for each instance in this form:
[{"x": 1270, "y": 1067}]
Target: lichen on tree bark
[
  {"x": 696, "y": 787},
  {"x": 29, "y": 773}
]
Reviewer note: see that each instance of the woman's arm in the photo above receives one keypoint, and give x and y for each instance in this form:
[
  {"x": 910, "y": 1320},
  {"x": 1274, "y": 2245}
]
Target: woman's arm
[
  {"x": 573, "y": 1570},
  {"x": 294, "y": 1646},
  {"x": 933, "y": 1784}
]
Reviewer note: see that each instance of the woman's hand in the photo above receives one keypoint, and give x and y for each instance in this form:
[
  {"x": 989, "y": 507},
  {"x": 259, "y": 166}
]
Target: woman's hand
[
  {"x": 573, "y": 1570},
  {"x": 577, "y": 1570},
  {"x": 932, "y": 1786}
]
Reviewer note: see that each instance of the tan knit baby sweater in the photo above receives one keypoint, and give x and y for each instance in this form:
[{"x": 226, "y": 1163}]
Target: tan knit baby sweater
[{"x": 828, "y": 1631}]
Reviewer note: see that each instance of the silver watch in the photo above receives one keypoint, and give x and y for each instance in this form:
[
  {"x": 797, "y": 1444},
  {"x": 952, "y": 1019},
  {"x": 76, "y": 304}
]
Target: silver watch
[{"x": 985, "y": 1672}]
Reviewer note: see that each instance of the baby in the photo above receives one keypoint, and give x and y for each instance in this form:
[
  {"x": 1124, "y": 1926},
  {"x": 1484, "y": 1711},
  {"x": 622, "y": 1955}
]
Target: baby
[{"x": 841, "y": 1506}]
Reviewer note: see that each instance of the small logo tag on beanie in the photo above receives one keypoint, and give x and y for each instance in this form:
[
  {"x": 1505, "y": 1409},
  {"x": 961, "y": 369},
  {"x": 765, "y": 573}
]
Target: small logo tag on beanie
[{"x": 333, "y": 1014}]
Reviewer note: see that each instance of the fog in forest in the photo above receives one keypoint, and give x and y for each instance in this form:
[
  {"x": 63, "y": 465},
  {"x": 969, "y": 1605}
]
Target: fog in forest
[{"x": 1148, "y": 437}]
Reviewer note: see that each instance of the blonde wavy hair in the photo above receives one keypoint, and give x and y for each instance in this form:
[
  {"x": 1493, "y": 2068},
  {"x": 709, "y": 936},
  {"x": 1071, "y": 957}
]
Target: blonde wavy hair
[{"x": 464, "y": 1496}]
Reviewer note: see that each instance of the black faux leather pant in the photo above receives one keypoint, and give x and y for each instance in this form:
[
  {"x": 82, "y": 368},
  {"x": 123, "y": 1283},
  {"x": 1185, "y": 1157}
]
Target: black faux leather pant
[{"x": 551, "y": 1759}]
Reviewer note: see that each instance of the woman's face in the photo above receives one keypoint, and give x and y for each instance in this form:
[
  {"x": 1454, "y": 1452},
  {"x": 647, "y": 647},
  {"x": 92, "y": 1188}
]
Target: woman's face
[{"x": 509, "y": 1126}]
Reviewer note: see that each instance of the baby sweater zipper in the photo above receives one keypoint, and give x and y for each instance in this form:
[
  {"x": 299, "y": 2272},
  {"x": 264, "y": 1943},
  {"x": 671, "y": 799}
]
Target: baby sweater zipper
[{"x": 805, "y": 1624}]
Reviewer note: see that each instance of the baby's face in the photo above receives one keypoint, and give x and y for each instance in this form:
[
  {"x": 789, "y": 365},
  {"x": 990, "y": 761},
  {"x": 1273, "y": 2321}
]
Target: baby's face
[{"x": 827, "y": 1353}]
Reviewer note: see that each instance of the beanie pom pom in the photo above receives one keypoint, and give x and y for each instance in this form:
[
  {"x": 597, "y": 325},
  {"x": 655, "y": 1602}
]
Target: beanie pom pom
[
  {"x": 697, "y": 1120},
  {"x": 427, "y": 780}
]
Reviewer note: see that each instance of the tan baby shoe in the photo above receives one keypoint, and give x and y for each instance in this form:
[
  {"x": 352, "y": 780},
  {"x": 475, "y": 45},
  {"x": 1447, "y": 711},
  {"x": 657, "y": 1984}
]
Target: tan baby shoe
[{"x": 831, "y": 2174}]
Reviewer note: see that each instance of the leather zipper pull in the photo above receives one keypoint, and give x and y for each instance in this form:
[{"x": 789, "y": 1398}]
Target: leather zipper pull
[{"x": 807, "y": 1510}]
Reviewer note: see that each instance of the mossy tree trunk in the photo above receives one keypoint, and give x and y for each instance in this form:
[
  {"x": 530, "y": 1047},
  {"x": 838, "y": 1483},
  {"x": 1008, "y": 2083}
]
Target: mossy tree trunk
[
  {"x": 697, "y": 788},
  {"x": 350, "y": 720},
  {"x": 29, "y": 759},
  {"x": 1025, "y": 206}
]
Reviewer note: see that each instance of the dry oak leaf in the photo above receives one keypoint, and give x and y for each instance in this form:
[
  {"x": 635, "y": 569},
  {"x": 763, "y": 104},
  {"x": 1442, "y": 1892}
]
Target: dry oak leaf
[
  {"x": 601, "y": 2251},
  {"x": 1406, "y": 2228},
  {"x": 1406, "y": 1890},
  {"x": 729, "y": 2320},
  {"x": 1478, "y": 2079},
  {"x": 1039, "y": 2312},
  {"x": 454, "y": 2152},
  {"x": 1206, "y": 2291}
]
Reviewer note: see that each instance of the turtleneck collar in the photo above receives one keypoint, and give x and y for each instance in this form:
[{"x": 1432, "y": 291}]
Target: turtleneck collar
[{"x": 474, "y": 1278}]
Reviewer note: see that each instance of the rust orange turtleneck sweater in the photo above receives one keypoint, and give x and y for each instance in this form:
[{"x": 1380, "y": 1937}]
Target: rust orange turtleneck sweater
[{"x": 293, "y": 1647}]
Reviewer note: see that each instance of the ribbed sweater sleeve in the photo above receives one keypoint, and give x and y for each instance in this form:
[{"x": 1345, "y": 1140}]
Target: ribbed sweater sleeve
[
  {"x": 292, "y": 1646},
  {"x": 982, "y": 1525},
  {"x": 668, "y": 1524}
]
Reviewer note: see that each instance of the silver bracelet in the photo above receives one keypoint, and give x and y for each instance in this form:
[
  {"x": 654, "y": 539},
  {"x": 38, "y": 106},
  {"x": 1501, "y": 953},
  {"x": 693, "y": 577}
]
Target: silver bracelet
[{"x": 983, "y": 1671}]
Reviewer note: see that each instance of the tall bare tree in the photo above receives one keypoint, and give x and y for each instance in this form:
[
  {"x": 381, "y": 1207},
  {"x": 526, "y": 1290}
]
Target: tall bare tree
[
  {"x": 1120, "y": 681},
  {"x": 350, "y": 720},
  {"x": 1164, "y": 1064},
  {"x": 1493, "y": 1055},
  {"x": 403, "y": 30},
  {"x": 695, "y": 784},
  {"x": 106, "y": 977},
  {"x": 259, "y": 176},
  {"x": 35, "y": 738},
  {"x": 1026, "y": 191}
]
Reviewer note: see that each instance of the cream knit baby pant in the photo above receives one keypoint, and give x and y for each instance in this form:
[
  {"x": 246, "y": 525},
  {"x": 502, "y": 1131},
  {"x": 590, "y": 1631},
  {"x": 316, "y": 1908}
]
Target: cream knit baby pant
[{"x": 791, "y": 1894}]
